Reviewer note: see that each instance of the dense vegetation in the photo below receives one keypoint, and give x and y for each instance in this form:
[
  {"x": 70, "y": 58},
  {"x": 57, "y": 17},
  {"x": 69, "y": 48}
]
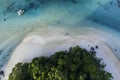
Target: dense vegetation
[{"x": 75, "y": 64}]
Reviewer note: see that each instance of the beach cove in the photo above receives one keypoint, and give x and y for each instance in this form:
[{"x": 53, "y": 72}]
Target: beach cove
[{"x": 58, "y": 27}]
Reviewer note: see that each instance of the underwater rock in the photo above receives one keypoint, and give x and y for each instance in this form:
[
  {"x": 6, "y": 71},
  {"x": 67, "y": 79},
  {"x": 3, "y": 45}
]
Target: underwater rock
[
  {"x": 3, "y": 20},
  {"x": 67, "y": 33},
  {"x": 32, "y": 5},
  {"x": 74, "y": 1}
]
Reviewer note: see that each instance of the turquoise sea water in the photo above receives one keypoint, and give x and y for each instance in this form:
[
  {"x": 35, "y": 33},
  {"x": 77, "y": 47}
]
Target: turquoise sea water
[{"x": 42, "y": 13}]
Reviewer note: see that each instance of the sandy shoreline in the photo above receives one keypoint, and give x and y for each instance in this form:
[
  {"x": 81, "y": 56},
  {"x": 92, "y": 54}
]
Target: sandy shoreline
[
  {"x": 44, "y": 45},
  {"x": 72, "y": 19}
]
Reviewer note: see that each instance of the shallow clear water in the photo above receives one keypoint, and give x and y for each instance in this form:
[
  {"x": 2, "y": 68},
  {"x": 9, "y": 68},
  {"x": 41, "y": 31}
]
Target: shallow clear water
[{"x": 43, "y": 13}]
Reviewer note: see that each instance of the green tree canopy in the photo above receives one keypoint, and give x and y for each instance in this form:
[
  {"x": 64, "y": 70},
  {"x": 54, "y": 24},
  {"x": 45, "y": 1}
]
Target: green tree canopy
[{"x": 74, "y": 64}]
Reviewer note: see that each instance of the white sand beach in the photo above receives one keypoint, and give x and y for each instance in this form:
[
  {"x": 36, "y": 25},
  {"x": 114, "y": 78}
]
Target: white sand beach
[
  {"x": 55, "y": 27},
  {"x": 45, "y": 42}
]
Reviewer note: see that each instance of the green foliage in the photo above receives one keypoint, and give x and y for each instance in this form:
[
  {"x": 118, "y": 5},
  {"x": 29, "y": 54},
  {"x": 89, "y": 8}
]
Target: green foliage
[
  {"x": 75, "y": 64},
  {"x": 19, "y": 70}
]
